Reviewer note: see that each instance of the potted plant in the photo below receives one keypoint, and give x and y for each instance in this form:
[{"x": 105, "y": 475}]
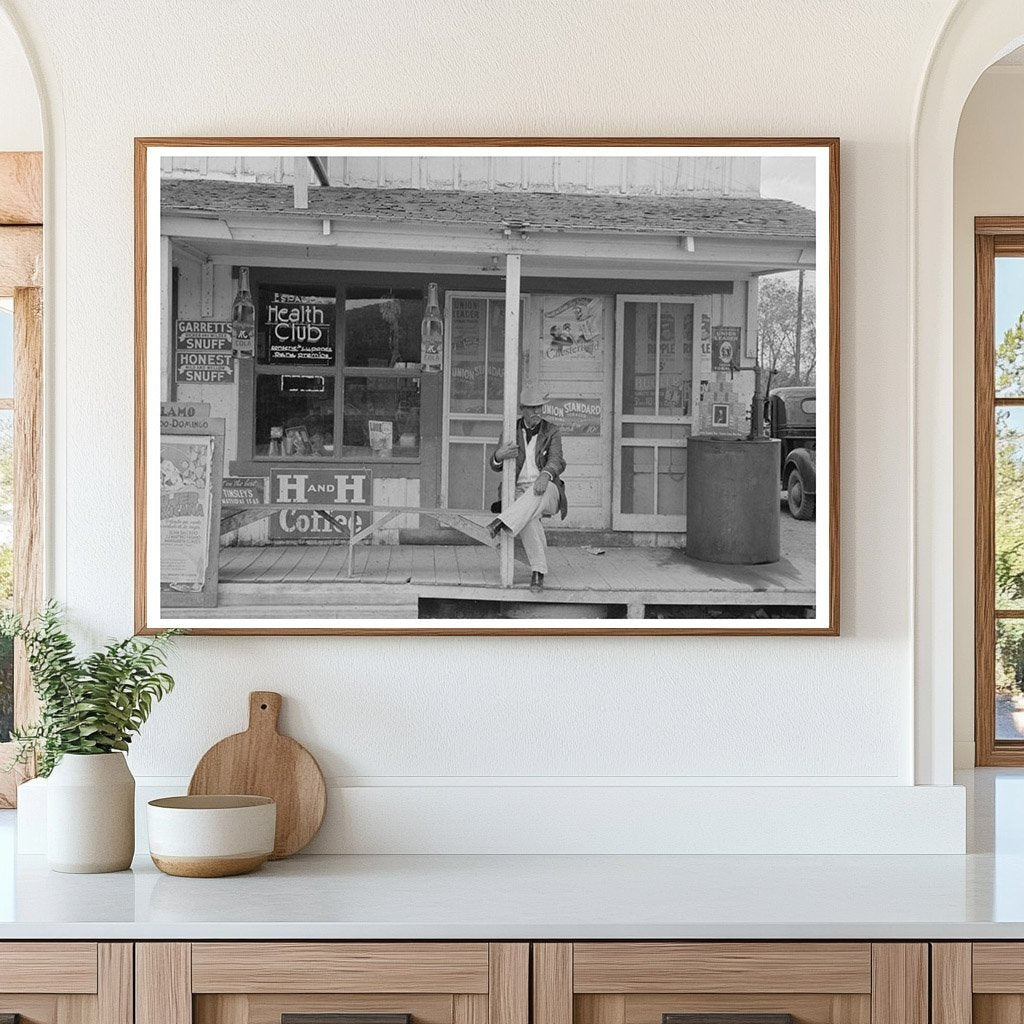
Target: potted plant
[{"x": 90, "y": 708}]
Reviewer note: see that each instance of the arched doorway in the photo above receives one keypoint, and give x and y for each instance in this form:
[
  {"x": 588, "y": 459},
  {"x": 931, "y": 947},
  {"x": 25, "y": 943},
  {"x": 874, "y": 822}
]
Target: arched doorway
[
  {"x": 21, "y": 346},
  {"x": 977, "y": 33}
]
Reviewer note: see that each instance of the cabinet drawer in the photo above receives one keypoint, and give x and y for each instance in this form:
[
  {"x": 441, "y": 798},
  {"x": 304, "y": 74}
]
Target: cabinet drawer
[
  {"x": 634, "y": 967},
  {"x": 64, "y": 967},
  {"x": 730, "y": 983},
  {"x": 332, "y": 983},
  {"x": 340, "y": 967}
]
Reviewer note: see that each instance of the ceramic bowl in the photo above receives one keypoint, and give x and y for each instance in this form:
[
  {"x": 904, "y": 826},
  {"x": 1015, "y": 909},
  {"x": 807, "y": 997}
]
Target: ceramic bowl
[{"x": 211, "y": 836}]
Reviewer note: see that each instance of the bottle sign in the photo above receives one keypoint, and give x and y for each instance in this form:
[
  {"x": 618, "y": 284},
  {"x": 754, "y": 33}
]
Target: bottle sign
[
  {"x": 432, "y": 333},
  {"x": 243, "y": 317}
]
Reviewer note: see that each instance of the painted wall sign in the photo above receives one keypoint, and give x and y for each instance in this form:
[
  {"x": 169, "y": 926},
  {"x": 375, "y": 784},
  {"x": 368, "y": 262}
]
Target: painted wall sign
[
  {"x": 321, "y": 487},
  {"x": 297, "y": 328},
  {"x": 176, "y": 415},
  {"x": 575, "y": 417},
  {"x": 242, "y": 491},
  {"x": 310, "y": 524},
  {"x": 204, "y": 352},
  {"x": 725, "y": 348},
  {"x": 572, "y": 327}
]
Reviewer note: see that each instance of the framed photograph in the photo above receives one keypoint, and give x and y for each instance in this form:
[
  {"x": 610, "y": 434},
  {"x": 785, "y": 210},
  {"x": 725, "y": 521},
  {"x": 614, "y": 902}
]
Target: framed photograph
[{"x": 499, "y": 386}]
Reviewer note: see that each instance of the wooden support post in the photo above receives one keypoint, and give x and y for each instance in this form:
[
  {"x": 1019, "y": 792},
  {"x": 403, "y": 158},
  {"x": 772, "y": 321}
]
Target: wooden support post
[
  {"x": 513, "y": 266},
  {"x": 168, "y": 388}
]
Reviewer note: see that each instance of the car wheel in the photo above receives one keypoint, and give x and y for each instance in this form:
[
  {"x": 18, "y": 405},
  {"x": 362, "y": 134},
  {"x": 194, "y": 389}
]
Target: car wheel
[{"x": 801, "y": 504}]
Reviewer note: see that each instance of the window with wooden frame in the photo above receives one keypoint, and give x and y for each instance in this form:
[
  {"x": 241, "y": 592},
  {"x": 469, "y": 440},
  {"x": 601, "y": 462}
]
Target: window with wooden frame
[
  {"x": 21, "y": 364},
  {"x": 337, "y": 371}
]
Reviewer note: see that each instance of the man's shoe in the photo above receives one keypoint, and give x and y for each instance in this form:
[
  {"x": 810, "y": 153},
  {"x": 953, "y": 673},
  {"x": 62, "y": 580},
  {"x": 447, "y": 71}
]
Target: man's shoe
[
  {"x": 537, "y": 582},
  {"x": 494, "y": 527}
]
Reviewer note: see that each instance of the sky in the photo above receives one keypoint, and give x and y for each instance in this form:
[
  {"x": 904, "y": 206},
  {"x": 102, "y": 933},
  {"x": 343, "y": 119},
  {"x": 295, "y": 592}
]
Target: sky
[
  {"x": 6, "y": 352},
  {"x": 1009, "y": 292},
  {"x": 788, "y": 177}
]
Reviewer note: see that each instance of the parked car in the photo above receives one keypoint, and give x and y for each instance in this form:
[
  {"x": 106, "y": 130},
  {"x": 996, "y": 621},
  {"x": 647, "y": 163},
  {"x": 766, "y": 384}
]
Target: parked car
[{"x": 791, "y": 418}]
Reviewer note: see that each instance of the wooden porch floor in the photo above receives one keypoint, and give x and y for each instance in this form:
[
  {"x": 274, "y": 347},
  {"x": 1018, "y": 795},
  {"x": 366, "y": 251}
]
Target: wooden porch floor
[{"x": 291, "y": 581}]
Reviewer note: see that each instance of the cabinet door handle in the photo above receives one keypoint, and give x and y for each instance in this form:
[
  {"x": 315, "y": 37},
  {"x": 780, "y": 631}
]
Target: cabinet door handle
[
  {"x": 338, "y": 1018},
  {"x": 727, "y": 1018}
]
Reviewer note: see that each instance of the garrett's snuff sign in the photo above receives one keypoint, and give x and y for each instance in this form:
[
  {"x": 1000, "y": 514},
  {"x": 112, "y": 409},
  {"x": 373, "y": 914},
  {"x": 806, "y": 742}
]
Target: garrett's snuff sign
[{"x": 204, "y": 352}]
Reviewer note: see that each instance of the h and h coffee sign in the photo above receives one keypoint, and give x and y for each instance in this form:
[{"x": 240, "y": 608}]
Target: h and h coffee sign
[{"x": 317, "y": 495}]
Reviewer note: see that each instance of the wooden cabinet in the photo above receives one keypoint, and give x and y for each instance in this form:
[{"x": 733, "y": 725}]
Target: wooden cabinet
[
  {"x": 263, "y": 982},
  {"x": 512, "y": 983},
  {"x": 749, "y": 982},
  {"x": 978, "y": 983},
  {"x": 66, "y": 982}
]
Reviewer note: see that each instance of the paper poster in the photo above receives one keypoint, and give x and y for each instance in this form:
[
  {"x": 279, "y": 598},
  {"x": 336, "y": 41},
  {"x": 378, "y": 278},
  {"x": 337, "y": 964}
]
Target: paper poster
[
  {"x": 185, "y": 499},
  {"x": 572, "y": 328},
  {"x": 382, "y": 436}
]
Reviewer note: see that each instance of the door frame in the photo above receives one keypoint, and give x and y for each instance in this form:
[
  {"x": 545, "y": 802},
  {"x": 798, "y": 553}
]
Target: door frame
[
  {"x": 652, "y": 522},
  {"x": 446, "y": 376},
  {"x": 21, "y": 272},
  {"x": 994, "y": 237}
]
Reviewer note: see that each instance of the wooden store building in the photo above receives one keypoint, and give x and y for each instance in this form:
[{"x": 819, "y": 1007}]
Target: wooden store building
[{"x": 637, "y": 316}]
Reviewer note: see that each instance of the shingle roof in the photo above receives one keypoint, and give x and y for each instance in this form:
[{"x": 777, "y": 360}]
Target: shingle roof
[{"x": 550, "y": 211}]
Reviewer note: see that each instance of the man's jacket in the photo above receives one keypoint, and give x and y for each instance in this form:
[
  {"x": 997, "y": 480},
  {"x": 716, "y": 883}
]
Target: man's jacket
[{"x": 549, "y": 457}]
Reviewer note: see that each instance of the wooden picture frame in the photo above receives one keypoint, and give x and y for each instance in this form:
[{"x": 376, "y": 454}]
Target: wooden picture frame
[{"x": 552, "y": 237}]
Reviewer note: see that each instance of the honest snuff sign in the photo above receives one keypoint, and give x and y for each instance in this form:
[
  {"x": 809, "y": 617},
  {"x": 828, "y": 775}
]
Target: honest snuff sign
[{"x": 203, "y": 352}]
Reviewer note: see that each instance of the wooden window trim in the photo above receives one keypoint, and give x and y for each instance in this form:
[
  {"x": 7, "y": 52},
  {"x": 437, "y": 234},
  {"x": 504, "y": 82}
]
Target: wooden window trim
[
  {"x": 994, "y": 237},
  {"x": 21, "y": 261}
]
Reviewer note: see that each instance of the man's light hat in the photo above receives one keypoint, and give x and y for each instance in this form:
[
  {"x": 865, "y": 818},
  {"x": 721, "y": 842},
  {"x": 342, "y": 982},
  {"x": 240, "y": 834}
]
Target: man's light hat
[{"x": 532, "y": 395}]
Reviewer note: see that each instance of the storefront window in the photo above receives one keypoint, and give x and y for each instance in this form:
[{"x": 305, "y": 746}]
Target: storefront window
[
  {"x": 381, "y": 417},
  {"x": 382, "y": 327},
  {"x": 477, "y": 355},
  {"x": 658, "y": 359},
  {"x": 294, "y": 416}
]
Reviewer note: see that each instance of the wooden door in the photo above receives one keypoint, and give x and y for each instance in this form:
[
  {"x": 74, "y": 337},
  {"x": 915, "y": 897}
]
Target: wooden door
[
  {"x": 568, "y": 356},
  {"x": 656, "y": 396}
]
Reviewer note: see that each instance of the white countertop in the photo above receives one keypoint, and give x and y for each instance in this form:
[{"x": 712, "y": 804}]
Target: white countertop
[
  {"x": 978, "y": 896},
  {"x": 517, "y": 897}
]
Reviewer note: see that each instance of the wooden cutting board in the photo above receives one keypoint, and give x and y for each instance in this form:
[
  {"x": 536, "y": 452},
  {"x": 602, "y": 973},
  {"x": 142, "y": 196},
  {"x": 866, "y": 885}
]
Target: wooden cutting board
[{"x": 262, "y": 762}]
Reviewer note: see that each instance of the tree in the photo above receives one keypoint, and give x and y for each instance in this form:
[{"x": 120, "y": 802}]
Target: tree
[
  {"x": 1009, "y": 507},
  {"x": 776, "y": 331}
]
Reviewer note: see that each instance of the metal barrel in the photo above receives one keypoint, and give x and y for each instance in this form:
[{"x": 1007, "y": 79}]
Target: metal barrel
[{"x": 733, "y": 497}]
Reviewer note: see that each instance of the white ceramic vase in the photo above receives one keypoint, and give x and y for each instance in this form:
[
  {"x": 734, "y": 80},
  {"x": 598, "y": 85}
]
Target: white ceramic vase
[{"x": 90, "y": 814}]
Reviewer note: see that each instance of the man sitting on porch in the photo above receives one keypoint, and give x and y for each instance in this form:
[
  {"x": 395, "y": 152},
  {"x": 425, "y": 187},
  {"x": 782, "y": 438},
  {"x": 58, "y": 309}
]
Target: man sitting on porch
[{"x": 539, "y": 488}]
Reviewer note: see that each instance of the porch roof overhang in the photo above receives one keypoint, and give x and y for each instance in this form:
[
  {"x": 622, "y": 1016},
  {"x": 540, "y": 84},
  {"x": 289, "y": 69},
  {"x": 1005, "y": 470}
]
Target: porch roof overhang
[{"x": 580, "y": 235}]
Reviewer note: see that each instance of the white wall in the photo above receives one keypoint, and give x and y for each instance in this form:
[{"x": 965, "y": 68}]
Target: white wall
[
  {"x": 437, "y": 715},
  {"x": 21, "y": 126},
  {"x": 987, "y": 181}
]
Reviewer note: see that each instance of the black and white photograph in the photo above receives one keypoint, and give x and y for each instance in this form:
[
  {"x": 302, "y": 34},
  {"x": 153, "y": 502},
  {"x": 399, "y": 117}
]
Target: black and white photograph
[{"x": 462, "y": 386}]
